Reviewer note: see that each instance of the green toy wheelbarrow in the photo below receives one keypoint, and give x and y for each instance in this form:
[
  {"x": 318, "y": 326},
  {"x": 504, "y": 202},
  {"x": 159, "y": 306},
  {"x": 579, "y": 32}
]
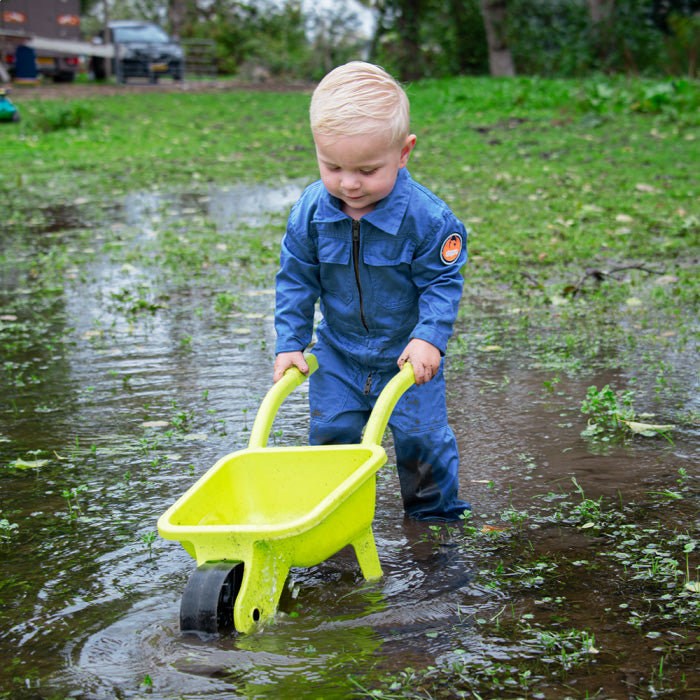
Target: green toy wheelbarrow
[
  {"x": 8, "y": 111},
  {"x": 262, "y": 510}
]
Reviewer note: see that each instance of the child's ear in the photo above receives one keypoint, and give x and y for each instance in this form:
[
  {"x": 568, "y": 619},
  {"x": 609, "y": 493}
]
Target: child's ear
[{"x": 408, "y": 145}]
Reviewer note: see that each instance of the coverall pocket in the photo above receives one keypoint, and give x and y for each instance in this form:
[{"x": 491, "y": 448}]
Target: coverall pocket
[
  {"x": 388, "y": 262},
  {"x": 335, "y": 258}
]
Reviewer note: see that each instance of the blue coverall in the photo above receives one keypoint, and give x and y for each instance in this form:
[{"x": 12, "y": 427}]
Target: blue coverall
[{"x": 390, "y": 277}]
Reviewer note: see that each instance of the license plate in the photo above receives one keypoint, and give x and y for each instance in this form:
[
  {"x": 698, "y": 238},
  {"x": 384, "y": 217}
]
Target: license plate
[
  {"x": 44, "y": 61},
  {"x": 158, "y": 67}
]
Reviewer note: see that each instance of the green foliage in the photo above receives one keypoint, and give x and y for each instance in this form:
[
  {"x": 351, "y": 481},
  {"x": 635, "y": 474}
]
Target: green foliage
[
  {"x": 274, "y": 41},
  {"x": 558, "y": 38},
  {"x": 550, "y": 38},
  {"x": 683, "y": 45},
  {"x": 7, "y": 529},
  {"x": 452, "y": 40},
  {"x": 674, "y": 98},
  {"x": 607, "y": 409},
  {"x": 55, "y": 116},
  {"x": 271, "y": 41},
  {"x": 435, "y": 38}
]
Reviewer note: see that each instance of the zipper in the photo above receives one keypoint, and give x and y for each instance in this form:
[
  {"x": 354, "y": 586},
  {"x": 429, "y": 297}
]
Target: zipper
[{"x": 356, "y": 264}]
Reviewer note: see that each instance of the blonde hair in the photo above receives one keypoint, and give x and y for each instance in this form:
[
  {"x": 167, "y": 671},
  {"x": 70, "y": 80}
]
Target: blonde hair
[{"x": 359, "y": 97}]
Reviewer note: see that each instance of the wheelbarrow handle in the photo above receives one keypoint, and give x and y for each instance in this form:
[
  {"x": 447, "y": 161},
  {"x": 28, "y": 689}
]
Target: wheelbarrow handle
[
  {"x": 273, "y": 400},
  {"x": 391, "y": 393}
]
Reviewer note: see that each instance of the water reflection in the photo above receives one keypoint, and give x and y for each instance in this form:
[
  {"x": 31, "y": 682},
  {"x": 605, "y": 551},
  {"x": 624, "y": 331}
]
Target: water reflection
[{"x": 227, "y": 207}]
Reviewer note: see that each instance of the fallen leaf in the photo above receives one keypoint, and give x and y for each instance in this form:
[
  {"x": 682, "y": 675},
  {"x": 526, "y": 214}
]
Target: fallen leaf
[
  {"x": 643, "y": 187},
  {"x": 495, "y": 528},
  {"x": 196, "y": 436},
  {"x": 693, "y": 586},
  {"x": 490, "y": 348},
  {"x": 624, "y": 218},
  {"x": 154, "y": 424},
  {"x": 29, "y": 463},
  {"x": 647, "y": 429}
]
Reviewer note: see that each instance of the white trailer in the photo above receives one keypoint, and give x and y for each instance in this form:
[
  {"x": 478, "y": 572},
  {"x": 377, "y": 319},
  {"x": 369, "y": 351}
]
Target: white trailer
[{"x": 37, "y": 23}]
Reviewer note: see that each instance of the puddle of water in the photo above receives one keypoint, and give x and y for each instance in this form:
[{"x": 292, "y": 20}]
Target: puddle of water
[{"x": 124, "y": 410}]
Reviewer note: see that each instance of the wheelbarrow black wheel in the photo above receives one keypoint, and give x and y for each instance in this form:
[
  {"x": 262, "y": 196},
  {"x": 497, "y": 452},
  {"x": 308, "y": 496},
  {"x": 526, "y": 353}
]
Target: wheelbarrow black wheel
[{"x": 209, "y": 596}]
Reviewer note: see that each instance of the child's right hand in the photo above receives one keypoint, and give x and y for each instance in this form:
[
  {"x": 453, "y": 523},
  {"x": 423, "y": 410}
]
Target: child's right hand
[{"x": 285, "y": 360}]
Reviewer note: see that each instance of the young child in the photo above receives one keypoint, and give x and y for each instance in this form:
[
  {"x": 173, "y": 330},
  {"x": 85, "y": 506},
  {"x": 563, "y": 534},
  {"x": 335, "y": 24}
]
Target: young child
[{"x": 383, "y": 254}]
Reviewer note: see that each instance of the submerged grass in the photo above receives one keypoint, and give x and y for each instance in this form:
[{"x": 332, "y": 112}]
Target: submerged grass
[{"x": 635, "y": 584}]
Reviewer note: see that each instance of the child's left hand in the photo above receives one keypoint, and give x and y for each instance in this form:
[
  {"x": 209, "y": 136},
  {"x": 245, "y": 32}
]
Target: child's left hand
[{"x": 424, "y": 357}]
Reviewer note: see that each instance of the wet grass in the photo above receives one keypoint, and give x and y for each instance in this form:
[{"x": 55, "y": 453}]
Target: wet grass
[
  {"x": 569, "y": 188},
  {"x": 629, "y": 577},
  {"x": 582, "y": 199}
]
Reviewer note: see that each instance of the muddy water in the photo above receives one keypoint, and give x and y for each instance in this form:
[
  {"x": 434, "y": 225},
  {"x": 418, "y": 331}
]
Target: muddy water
[{"x": 113, "y": 415}]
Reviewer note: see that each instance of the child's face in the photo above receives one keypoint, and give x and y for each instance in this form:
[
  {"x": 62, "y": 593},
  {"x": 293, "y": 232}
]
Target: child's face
[{"x": 360, "y": 170}]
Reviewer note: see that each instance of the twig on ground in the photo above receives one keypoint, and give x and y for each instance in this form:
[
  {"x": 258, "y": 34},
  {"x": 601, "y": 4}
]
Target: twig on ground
[{"x": 599, "y": 275}]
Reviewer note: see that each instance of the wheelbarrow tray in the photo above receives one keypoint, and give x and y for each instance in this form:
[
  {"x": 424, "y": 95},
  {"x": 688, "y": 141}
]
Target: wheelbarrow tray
[
  {"x": 311, "y": 500},
  {"x": 266, "y": 509}
]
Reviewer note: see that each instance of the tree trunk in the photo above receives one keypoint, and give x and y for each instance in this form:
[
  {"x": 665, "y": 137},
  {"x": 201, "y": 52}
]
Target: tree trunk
[
  {"x": 600, "y": 10},
  {"x": 463, "y": 51},
  {"x": 408, "y": 26},
  {"x": 176, "y": 17},
  {"x": 500, "y": 59}
]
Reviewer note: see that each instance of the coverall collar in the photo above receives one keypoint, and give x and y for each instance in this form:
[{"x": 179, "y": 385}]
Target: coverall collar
[{"x": 387, "y": 215}]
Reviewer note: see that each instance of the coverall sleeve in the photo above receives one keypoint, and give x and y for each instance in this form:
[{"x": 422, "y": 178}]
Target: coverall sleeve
[
  {"x": 439, "y": 283},
  {"x": 297, "y": 286}
]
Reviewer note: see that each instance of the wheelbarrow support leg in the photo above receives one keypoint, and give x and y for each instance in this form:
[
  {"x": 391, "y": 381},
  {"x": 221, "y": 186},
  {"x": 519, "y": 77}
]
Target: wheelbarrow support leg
[
  {"x": 263, "y": 582},
  {"x": 366, "y": 552}
]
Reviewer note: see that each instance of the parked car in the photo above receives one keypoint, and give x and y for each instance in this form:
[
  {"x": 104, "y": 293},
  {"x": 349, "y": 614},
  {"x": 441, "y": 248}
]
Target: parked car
[{"x": 144, "y": 50}]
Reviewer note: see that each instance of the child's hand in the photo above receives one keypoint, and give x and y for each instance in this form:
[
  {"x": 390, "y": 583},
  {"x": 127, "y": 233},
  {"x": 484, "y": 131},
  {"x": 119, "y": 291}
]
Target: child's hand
[
  {"x": 424, "y": 357},
  {"x": 285, "y": 360}
]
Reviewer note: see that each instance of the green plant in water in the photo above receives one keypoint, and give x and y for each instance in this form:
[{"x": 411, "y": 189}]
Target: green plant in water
[
  {"x": 181, "y": 419},
  {"x": 589, "y": 511},
  {"x": 71, "y": 496},
  {"x": 468, "y": 523},
  {"x": 7, "y": 529},
  {"x": 148, "y": 539},
  {"x": 514, "y": 516},
  {"x": 225, "y": 303},
  {"x": 606, "y": 410},
  {"x": 693, "y": 586}
]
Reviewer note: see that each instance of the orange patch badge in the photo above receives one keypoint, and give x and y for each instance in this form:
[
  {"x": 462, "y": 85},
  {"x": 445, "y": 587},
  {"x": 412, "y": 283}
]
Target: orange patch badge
[{"x": 451, "y": 248}]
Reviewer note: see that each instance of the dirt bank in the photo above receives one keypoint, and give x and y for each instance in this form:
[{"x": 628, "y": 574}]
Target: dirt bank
[{"x": 54, "y": 91}]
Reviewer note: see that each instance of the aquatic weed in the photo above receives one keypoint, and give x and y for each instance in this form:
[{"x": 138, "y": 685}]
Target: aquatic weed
[
  {"x": 71, "y": 496},
  {"x": 7, "y": 529},
  {"x": 607, "y": 409}
]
